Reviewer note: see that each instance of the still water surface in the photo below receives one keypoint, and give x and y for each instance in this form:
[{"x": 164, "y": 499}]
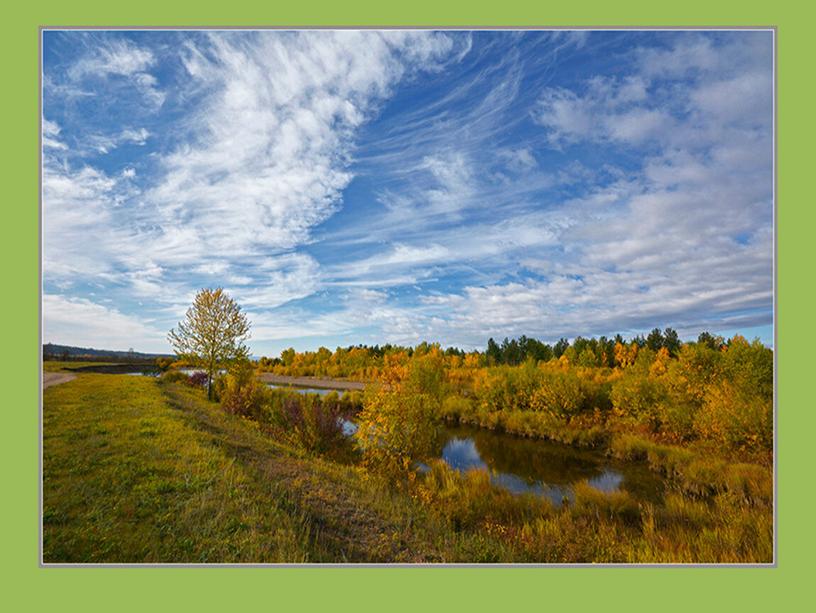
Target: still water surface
[{"x": 542, "y": 467}]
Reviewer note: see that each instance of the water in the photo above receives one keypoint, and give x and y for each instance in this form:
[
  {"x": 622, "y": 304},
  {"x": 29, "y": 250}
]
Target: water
[
  {"x": 304, "y": 390},
  {"x": 541, "y": 467}
]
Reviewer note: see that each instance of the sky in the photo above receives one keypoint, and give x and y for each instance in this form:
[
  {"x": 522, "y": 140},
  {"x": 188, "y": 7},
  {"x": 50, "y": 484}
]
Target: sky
[{"x": 369, "y": 187}]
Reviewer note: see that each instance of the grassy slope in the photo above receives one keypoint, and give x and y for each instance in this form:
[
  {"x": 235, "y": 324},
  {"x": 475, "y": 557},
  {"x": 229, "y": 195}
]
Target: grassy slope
[
  {"x": 137, "y": 471},
  {"x": 127, "y": 479}
]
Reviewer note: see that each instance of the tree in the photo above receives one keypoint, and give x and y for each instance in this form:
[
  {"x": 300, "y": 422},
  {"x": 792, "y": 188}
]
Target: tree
[
  {"x": 212, "y": 334},
  {"x": 560, "y": 347},
  {"x": 710, "y": 341},
  {"x": 655, "y": 340},
  {"x": 671, "y": 341},
  {"x": 493, "y": 352}
]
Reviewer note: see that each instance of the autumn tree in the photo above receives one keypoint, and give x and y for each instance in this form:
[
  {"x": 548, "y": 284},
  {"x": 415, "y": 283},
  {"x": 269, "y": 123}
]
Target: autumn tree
[{"x": 212, "y": 334}]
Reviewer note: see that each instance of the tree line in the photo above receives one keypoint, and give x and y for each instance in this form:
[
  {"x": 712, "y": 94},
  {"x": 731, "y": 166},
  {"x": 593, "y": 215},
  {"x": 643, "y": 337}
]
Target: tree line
[{"x": 367, "y": 361}]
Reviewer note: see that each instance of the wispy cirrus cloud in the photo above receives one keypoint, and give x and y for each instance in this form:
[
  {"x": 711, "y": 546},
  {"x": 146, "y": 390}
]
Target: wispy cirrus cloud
[
  {"x": 404, "y": 186},
  {"x": 119, "y": 58}
]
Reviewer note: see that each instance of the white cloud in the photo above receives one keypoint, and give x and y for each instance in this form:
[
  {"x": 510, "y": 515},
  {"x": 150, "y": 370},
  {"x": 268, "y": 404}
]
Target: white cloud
[
  {"x": 274, "y": 140},
  {"x": 611, "y": 110},
  {"x": 120, "y": 58},
  {"x": 550, "y": 243},
  {"x": 268, "y": 161},
  {"x": 105, "y": 143},
  {"x": 78, "y": 321},
  {"x": 276, "y": 281},
  {"x": 77, "y": 221},
  {"x": 50, "y": 132}
]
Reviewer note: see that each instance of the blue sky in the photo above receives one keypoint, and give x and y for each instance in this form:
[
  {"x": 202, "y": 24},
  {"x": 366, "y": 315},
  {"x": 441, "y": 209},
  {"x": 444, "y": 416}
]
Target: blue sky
[{"x": 369, "y": 187}]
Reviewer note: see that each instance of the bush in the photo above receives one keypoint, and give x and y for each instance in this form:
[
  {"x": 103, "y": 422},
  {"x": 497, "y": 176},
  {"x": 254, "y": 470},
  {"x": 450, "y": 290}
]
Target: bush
[
  {"x": 639, "y": 398},
  {"x": 395, "y": 430},
  {"x": 311, "y": 423},
  {"x": 198, "y": 379},
  {"x": 240, "y": 392},
  {"x": 455, "y": 407},
  {"x": 560, "y": 394},
  {"x": 736, "y": 417},
  {"x": 175, "y": 376},
  {"x": 163, "y": 364}
]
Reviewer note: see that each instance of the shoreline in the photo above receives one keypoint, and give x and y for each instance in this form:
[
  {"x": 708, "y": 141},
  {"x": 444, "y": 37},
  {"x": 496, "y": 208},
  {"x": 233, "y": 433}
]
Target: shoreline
[{"x": 315, "y": 382}]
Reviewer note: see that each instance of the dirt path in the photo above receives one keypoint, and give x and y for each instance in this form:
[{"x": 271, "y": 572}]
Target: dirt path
[
  {"x": 316, "y": 382},
  {"x": 55, "y": 378}
]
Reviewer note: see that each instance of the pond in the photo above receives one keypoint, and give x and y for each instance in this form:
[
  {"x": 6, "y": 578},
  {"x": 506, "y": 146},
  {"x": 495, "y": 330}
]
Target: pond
[
  {"x": 543, "y": 467},
  {"x": 539, "y": 467}
]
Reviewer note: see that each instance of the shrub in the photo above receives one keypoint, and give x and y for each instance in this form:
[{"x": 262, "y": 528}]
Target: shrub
[
  {"x": 163, "y": 364},
  {"x": 560, "y": 394},
  {"x": 198, "y": 379},
  {"x": 240, "y": 392},
  {"x": 307, "y": 421},
  {"x": 175, "y": 376},
  {"x": 455, "y": 407},
  {"x": 736, "y": 417},
  {"x": 639, "y": 397},
  {"x": 395, "y": 430}
]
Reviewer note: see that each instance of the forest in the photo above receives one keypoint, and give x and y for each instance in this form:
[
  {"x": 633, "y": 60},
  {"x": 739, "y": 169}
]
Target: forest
[{"x": 713, "y": 391}]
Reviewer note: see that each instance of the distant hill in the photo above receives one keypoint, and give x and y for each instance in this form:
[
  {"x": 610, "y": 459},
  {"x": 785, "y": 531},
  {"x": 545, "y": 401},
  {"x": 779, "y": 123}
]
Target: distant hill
[{"x": 50, "y": 350}]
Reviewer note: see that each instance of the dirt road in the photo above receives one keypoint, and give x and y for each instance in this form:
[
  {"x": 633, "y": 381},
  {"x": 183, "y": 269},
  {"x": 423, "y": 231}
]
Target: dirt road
[
  {"x": 330, "y": 384},
  {"x": 55, "y": 378}
]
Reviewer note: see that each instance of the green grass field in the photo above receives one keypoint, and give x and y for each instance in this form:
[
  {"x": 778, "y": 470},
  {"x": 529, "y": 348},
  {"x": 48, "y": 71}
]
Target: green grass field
[
  {"x": 137, "y": 471},
  {"x": 128, "y": 478}
]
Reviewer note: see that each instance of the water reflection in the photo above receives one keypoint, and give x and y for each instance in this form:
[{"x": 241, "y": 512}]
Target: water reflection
[{"x": 541, "y": 467}]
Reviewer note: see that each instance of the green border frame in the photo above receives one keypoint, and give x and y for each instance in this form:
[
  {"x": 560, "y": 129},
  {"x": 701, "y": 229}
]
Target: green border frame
[{"x": 28, "y": 586}]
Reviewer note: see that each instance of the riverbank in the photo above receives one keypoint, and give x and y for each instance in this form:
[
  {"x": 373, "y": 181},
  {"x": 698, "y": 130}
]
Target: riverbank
[
  {"x": 313, "y": 382},
  {"x": 140, "y": 470}
]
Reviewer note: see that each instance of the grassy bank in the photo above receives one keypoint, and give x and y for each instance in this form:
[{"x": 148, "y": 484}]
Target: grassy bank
[
  {"x": 137, "y": 470},
  {"x": 127, "y": 478}
]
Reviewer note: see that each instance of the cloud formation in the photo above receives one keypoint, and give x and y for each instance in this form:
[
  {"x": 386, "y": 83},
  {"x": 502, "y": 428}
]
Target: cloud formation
[{"x": 405, "y": 186}]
